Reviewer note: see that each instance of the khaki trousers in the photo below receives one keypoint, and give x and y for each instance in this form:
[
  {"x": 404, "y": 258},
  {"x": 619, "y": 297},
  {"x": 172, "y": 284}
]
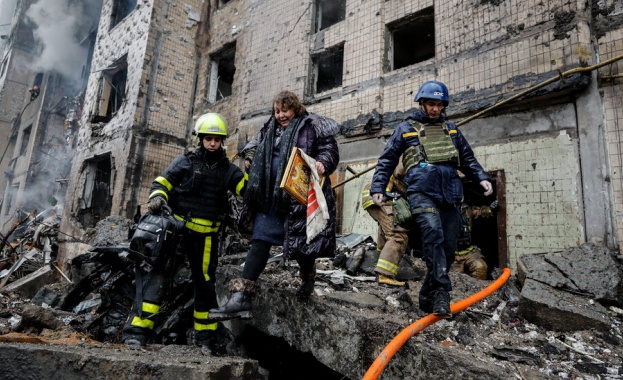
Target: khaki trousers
[{"x": 392, "y": 240}]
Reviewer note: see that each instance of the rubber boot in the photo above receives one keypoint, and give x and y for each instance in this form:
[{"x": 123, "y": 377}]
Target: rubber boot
[
  {"x": 239, "y": 304},
  {"x": 207, "y": 341},
  {"x": 308, "y": 278},
  {"x": 441, "y": 304},
  {"x": 387, "y": 280},
  {"x": 134, "y": 340}
]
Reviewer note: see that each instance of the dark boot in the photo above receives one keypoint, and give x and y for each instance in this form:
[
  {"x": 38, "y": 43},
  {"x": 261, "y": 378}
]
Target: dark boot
[
  {"x": 239, "y": 304},
  {"x": 306, "y": 289},
  {"x": 207, "y": 341},
  {"x": 134, "y": 340},
  {"x": 308, "y": 278},
  {"x": 441, "y": 304}
]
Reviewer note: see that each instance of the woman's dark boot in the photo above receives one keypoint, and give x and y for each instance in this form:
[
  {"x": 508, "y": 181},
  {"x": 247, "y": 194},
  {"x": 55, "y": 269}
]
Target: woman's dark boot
[
  {"x": 239, "y": 304},
  {"x": 307, "y": 286}
]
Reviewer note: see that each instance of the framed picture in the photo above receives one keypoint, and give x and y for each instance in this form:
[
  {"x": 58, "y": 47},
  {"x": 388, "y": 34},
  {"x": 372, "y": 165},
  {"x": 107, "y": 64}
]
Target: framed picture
[{"x": 296, "y": 177}]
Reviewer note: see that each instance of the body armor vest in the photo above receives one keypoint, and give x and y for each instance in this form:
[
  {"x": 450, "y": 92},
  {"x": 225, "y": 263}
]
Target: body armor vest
[
  {"x": 435, "y": 146},
  {"x": 205, "y": 195}
]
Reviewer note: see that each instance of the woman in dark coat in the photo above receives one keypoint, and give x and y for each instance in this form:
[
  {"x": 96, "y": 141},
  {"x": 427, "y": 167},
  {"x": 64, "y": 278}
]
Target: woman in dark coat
[{"x": 279, "y": 219}]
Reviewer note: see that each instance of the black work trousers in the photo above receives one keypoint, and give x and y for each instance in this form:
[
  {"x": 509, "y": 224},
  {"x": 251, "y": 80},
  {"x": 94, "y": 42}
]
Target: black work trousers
[
  {"x": 258, "y": 256},
  {"x": 202, "y": 252},
  {"x": 439, "y": 231}
]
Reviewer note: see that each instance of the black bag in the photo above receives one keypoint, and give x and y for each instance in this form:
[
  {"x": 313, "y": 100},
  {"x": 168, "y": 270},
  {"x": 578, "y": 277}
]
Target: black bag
[
  {"x": 156, "y": 236},
  {"x": 401, "y": 212}
]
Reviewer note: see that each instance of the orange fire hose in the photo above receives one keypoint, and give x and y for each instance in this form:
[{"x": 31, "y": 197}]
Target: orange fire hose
[{"x": 399, "y": 340}]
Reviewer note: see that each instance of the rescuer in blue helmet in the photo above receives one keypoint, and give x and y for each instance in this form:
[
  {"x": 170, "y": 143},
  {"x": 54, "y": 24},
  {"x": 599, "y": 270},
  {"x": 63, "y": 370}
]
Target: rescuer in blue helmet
[{"x": 432, "y": 150}]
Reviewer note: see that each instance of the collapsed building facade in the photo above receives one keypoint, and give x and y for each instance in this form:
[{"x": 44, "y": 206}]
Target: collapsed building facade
[
  {"x": 43, "y": 75},
  {"x": 554, "y": 153}
]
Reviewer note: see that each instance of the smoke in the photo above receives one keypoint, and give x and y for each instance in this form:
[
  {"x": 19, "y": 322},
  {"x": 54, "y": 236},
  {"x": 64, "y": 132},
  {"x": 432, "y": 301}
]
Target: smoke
[{"x": 61, "y": 28}]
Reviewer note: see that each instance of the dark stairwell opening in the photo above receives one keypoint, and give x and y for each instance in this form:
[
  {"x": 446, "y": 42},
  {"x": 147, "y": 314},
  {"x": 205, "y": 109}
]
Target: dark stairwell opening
[{"x": 282, "y": 361}]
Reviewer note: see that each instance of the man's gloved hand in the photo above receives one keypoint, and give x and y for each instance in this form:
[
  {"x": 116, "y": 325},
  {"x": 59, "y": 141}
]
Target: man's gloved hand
[
  {"x": 494, "y": 205},
  {"x": 154, "y": 206},
  {"x": 377, "y": 198}
]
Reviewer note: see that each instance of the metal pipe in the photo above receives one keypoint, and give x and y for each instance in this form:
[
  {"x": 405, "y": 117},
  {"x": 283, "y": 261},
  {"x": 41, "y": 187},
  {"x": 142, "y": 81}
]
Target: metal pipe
[{"x": 567, "y": 73}]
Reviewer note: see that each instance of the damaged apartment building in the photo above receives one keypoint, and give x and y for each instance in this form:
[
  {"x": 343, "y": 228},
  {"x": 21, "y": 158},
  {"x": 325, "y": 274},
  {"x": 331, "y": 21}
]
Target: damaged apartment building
[
  {"x": 553, "y": 151},
  {"x": 43, "y": 74}
]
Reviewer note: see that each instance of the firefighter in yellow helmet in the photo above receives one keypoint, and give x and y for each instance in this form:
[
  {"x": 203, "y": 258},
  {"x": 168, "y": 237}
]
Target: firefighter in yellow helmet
[{"x": 195, "y": 186}]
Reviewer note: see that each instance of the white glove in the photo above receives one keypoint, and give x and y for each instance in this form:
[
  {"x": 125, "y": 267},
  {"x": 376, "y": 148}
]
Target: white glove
[{"x": 377, "y": 198}]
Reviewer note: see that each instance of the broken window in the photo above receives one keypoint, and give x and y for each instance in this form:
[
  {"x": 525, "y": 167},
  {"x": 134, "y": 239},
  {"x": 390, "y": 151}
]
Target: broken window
[
  {"x": 25, "y": 140},
  {"x": 329, "y": 12},
  {"x": 328, "y": 69},
  {"x": 120, "y": 9},
  {"x": 4, "y": 65},
  {"x": 10, "y": 198},
  {"x": 96, "y": 199},
  {"x": 112, "y": 91},
  {"x": 402, "y": 51},
  {"x": 38, "y": 80},
  {"x": 222, "y": 70}
]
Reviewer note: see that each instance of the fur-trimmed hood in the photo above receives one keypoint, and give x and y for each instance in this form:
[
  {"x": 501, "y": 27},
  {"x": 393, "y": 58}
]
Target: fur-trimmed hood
[{"x": 324, "y": 126}]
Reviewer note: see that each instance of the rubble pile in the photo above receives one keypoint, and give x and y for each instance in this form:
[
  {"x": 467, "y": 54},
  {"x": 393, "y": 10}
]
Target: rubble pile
[
  {"x": 560, "y": 316},
  {"x": 30, "y": 244}
]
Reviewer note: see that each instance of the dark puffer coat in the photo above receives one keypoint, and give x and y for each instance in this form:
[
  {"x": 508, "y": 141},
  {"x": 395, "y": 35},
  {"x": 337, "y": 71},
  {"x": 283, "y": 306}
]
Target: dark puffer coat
[{"x": 315, "y": 135}]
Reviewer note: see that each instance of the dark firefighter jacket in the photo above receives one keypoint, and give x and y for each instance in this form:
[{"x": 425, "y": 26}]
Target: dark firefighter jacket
[
  {"x": 439, "y": 181},
  {"x": 196, "y": 189}
]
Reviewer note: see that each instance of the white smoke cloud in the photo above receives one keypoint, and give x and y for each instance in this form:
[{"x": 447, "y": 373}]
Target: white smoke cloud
[{"x": 61, "y": 26}]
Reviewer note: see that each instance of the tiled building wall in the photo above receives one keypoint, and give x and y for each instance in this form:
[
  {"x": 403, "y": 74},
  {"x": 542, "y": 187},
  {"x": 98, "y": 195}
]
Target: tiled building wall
[
  {"x": 153, "y": 125},
  {"x": 166, "y": 96},
  {"x": 610, "y": 46},
  {"x": 484, "y": 52},
  {"x": 542, "y": 200}
]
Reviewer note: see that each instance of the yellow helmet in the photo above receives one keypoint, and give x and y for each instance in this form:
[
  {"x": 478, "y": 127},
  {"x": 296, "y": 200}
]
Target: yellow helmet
[{"x": 211, "y": 124}]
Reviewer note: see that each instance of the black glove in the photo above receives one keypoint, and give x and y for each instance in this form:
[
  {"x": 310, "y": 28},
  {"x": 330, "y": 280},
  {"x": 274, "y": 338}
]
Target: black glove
[
  {"x": 154, "y": 206},
  {"x": 494, "y": 205}
]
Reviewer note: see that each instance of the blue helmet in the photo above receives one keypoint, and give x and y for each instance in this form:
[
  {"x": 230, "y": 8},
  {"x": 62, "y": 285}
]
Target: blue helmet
[{"x": 433, "y": 90}]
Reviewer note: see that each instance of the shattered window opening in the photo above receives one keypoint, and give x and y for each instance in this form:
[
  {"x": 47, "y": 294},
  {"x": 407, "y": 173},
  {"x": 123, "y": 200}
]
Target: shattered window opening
[
  {"x": 96, "y": 199},
  {"x": 38, "y": 80},
  {"x": 10, "y": 198},
  {"x": 25, "y": 140},
  {"x": 222, "y": 71},
  {"x": 328, "y": 69},
  {"x": 4, "y": 65},
  {"x": 112, "y": 91},
  {"x": 120, "y": 10},
  {"x": 329, "y": 12},
  {"x": 401, "y": 50}
]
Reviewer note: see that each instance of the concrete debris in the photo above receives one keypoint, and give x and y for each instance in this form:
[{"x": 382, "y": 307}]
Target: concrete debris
[
  {"x": 29, "y": 246},
  {"x": 543, "y": 326}
]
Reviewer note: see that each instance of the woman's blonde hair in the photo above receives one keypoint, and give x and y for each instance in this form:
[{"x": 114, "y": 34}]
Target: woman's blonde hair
[{"x": 288, "y": 100}]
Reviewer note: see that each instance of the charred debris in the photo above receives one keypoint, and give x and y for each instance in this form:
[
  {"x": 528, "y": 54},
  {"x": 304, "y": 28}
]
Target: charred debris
[{"x": 559, "y": 316}]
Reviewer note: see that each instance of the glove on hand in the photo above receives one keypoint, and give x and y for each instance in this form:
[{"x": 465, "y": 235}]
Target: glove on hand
[
  {"x": 494, "y": 205},
  {"x": 154, "y": 206},
  {"x": 377, "y": 198}
]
